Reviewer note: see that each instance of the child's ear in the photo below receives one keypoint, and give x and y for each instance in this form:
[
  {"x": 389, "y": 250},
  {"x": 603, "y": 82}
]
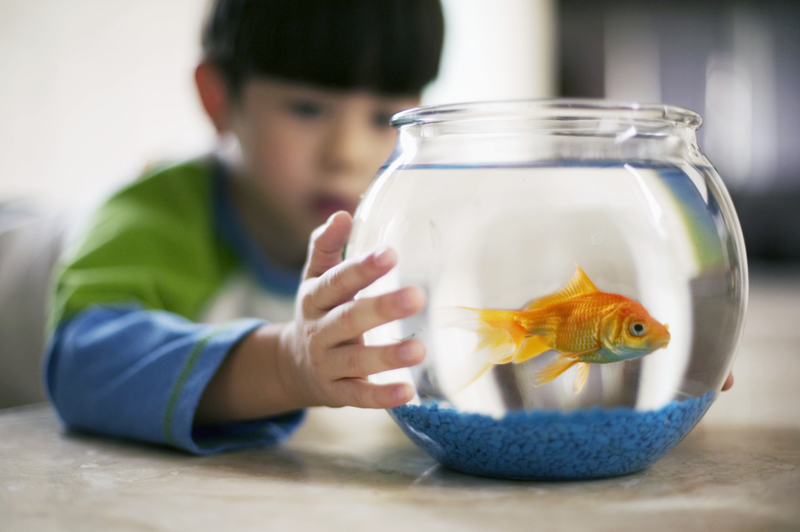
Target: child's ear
[{"x": 213, "y": 94}]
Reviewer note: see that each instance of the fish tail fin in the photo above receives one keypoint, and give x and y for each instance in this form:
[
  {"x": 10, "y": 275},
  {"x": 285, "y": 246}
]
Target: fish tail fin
[
  {"x": 553, "y": 370},
  {"x": 500, "y": 334},
  {"x": 472, "y": 379}
]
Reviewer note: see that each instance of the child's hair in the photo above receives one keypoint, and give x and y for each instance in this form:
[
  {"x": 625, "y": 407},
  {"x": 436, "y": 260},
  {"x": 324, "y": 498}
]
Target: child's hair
[{"x": 389, "y": 46}]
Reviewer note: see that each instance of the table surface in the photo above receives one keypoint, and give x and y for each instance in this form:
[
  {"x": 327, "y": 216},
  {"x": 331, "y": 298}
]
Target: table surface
[{"x": 350, "y": 469}]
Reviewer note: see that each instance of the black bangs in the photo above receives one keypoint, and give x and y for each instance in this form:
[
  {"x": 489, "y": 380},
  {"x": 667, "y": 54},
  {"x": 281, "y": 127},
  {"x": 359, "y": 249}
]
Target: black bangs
[{"x": 388, "y": 46}]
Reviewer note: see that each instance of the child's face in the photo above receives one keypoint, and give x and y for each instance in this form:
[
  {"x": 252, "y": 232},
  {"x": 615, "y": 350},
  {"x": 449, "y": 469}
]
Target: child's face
[{"x": 309, "y": 152}]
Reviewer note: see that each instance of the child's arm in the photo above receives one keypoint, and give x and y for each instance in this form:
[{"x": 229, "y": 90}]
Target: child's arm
[{"x": 319, "y": 358}]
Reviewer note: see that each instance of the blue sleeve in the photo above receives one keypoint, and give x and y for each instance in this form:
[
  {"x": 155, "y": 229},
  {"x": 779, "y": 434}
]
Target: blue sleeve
[{"x": 139, "y": 374}]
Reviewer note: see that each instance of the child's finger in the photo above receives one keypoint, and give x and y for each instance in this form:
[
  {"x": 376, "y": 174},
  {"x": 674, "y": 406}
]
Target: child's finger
[
  {"x": 353, "y": 319},
  {"x": 341, "y": 283},
  {"x": 364, "y": 394},
  {"x": 326, "y": 244},
  {"x": 356, "y": 360},
  {"x": 728, "y": 383}
]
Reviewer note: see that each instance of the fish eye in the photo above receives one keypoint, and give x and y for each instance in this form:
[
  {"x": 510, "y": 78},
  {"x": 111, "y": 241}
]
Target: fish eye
[{"x": 637, "y": 328}]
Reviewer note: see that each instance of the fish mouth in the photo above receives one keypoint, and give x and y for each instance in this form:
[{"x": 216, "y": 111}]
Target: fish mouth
[{"x": 663, "y": 340}]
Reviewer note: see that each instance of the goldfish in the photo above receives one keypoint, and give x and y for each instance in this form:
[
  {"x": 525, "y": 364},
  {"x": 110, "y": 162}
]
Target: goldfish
[{"x": 585, "y": 325}]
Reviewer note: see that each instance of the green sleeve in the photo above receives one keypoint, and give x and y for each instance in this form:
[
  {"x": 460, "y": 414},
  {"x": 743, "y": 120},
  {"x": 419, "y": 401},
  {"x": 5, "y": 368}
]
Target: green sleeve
[{"x": 153, "y": 243}]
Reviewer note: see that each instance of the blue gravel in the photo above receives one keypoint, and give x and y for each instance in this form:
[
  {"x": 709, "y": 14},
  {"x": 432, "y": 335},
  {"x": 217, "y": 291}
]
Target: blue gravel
[{"x": 550, "y": 444}]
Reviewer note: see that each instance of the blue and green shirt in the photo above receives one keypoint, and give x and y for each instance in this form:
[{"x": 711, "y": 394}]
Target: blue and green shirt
[{"x": 156, "y": 290}]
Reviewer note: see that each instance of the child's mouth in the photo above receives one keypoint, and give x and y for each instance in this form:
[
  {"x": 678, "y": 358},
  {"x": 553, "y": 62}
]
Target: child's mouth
[{"x": 325, "y": 205}]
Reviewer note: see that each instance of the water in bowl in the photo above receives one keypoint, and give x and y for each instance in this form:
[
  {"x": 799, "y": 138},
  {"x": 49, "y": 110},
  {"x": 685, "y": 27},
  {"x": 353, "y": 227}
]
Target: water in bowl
[{"x": 497, "y": 237}]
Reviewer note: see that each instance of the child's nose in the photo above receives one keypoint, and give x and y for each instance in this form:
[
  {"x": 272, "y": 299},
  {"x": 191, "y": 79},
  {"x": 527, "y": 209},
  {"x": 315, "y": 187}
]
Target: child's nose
[{"x": 348, "y": 146}]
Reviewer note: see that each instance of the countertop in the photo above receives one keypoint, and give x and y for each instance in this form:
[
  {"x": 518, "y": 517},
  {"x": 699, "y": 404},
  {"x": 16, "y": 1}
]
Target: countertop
[{"x": 354, "y": 470}]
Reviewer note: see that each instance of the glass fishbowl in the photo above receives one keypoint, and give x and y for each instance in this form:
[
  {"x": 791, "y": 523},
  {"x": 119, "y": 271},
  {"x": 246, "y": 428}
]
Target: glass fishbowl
[{"x": 586, "y": 279}]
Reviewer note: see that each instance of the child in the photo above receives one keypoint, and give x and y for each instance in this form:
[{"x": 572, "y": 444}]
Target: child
[{"x": 143, "y": 342}]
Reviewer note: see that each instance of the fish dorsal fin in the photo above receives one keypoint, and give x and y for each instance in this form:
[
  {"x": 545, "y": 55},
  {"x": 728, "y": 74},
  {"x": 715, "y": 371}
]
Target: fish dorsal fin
[{"x": 578, "y": 285}]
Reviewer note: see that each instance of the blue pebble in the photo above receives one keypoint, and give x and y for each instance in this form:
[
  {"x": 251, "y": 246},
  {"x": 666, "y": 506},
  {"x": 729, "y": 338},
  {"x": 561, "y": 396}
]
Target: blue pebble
[{"x": 579, "y": 444}]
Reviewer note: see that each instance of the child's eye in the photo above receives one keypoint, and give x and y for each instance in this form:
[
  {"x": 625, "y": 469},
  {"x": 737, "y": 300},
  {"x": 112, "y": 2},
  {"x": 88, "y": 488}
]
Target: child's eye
[
  {"x": 306, "y": 109},
  {"x": 382, "y": 119}
]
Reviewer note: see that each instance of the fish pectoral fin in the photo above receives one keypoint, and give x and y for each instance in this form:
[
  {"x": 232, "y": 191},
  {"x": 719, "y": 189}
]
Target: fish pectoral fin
[
  {"x": 533, "y": 347},
  {"x": 580, "y": 377},
  {"x": 553, "y": 370}
]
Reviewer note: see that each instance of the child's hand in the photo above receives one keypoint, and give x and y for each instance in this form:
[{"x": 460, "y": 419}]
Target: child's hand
[{"x": 328, "y": 363}]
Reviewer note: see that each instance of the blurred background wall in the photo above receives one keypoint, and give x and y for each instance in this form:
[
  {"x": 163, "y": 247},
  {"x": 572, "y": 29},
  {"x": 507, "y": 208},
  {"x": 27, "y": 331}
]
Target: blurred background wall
[
  {"x": 92, "y": 90},
  {"x": 736, "y": 62}
]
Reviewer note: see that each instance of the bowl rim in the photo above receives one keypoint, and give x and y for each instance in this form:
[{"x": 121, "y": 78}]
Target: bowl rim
[{"x": 548, "y": 110}]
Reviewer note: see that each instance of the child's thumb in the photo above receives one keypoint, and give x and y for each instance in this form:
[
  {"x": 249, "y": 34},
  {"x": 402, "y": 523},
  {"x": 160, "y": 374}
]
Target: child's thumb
[{"x": 327, "y": 243}]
